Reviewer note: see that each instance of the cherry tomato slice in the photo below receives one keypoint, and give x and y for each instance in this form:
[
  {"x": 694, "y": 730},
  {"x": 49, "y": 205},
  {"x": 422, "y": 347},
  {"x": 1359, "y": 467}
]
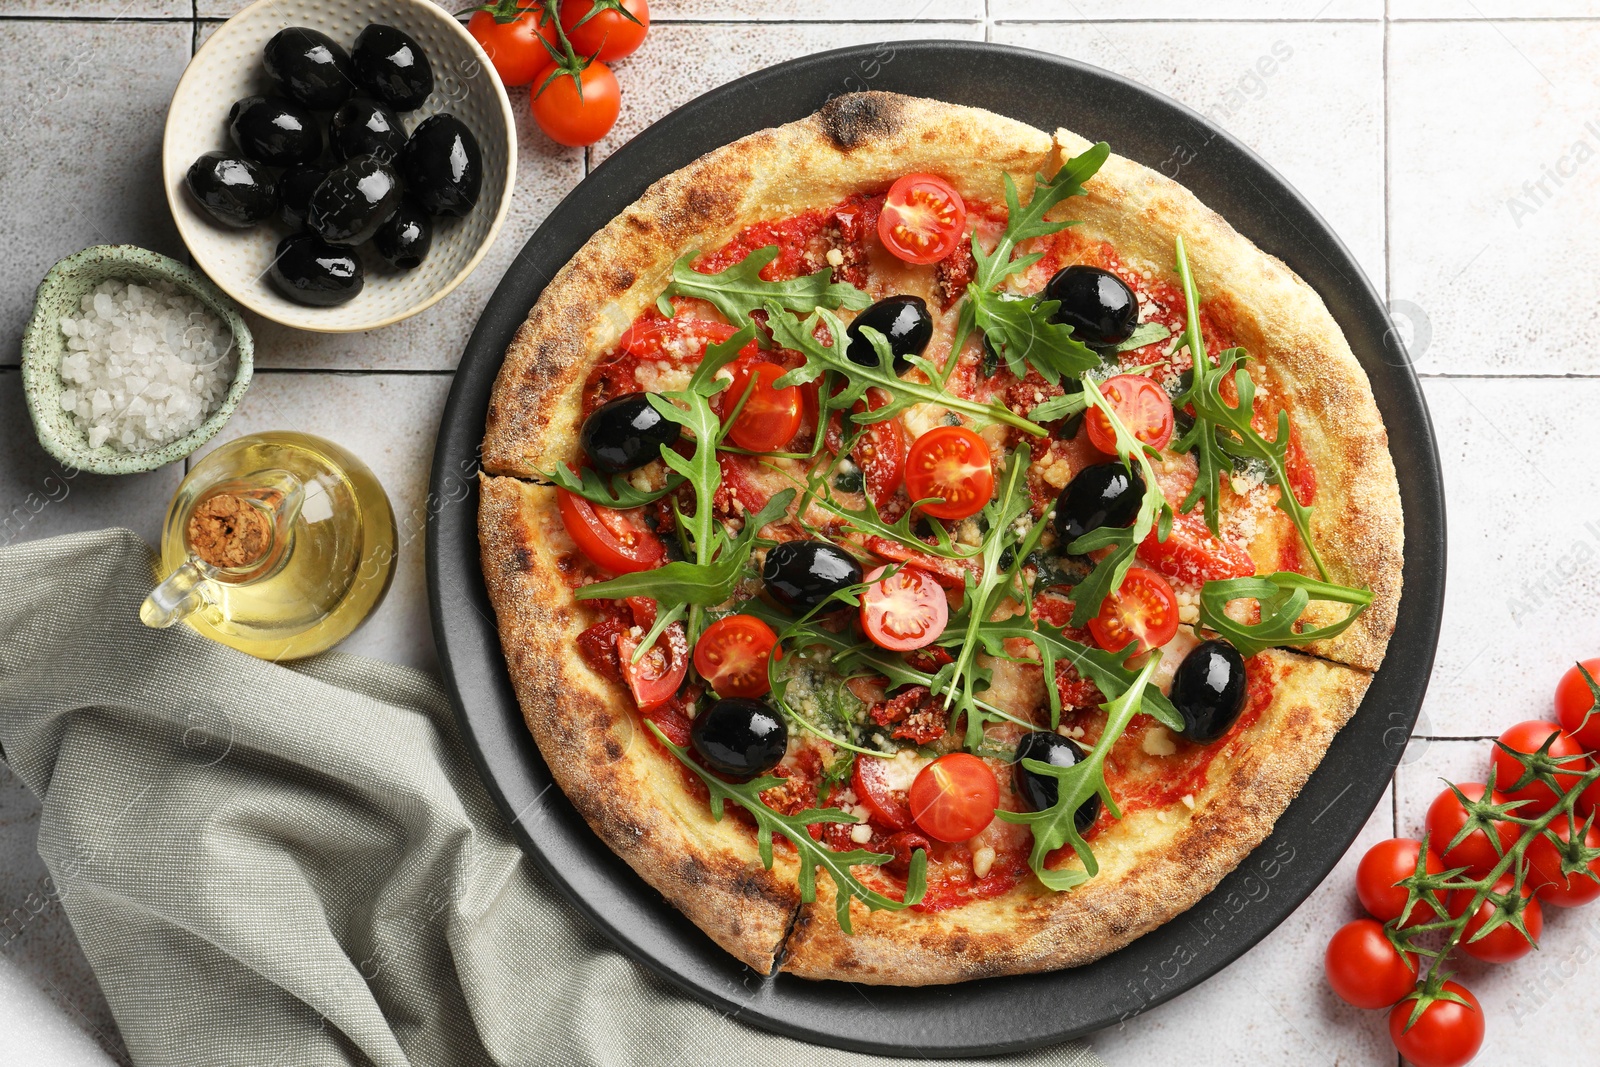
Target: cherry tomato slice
[
  {"x": 903, "y": 610},
  {"x": 1144, "y": 609},
  {"x": 608, "y": 34},
  {"x": 954, "y": 797},
  {"x": 1191, "y": 554},
  {"x": 951, "y": 463},
  {"x": 613, "y": 540},
  {"x": 768, "y": 417},
  {"x": 1544, "y": 868},
  {"x": 1504, "y": 943},
  {"x": 889, "y": 807},
  {"x": 732, "y": 656},
  {"x": 1528, "y": 737},
  {"x": 1363, "y": 967},
  {"x": 1574, "y": 703},
  {"x": 1386, "y": 863},
  {"x": 1446, "y": 1034},
  {"x": 1476, "y": 852},
  {"x": 655, "y": 679},
  {"x": 923, "y": 219},
  {"x": 1140, "y": 403}
]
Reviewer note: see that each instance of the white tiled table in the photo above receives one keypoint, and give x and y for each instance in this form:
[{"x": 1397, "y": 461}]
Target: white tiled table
[{"x": 1427, "y": 132}]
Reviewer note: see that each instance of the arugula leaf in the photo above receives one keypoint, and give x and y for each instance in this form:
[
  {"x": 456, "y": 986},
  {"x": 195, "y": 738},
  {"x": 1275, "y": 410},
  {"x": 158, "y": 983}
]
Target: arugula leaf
[
  {"x": 704, "y": 584},
  {"x": 1057, "y": 825},
  {"x": 1020, "y": 328},
  {"x": 1146, "y": 333},
  {"x": 868, "y": 522},
  {"x": 740, "y": 289},
  {"x": 1201, "y": 437},
  {"x": 1059, "y": 407},
  {"x": 618, "y": 493},
  {"x": 800, "y": 336},
  {"x": 1283, "y": 596},
  {"x": 812, "y": 854}
]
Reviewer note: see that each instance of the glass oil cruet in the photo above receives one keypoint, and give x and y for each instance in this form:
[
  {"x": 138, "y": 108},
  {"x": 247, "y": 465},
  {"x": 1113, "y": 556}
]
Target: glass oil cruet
[{"x": 277, "y": 544}]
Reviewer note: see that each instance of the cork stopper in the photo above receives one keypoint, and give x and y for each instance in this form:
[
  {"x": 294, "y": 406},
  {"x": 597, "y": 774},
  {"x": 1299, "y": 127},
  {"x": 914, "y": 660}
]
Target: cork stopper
[{"x": 228, "y": 532}]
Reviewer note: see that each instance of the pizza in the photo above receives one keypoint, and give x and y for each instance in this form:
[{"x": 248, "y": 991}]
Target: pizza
[{"x": 928, "y": 548}]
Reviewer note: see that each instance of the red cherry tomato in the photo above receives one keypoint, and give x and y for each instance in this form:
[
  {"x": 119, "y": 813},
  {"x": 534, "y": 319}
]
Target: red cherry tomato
[
  {"x": 767, "y": 418},
  {"x": 880, "y": 452},
  {"x": 1476, "y": 852},
  {"x": 1544, "y": 868},
  {"x": 1528, "y": 737},
  {"x": 655, "y": 679},
  {"x": 1143, "y": 609},
  {"x": 1363, "y": 967},
  {"x": 1589, "y": 801},
  {"x": 515, "y": 47},
  {"x": 570, "y": 119},
  {"x": 606, "y": 34},
  {"x": 953, "y": 464},
  {"x": 613, "y": 540},
  {"x": 923, "y": 219},
  {"x": 1504, "y": 943},
  {"x": 1386, "y": 863},
  {"x": 903, "y": 610},
  {"x": 954, "y": 797},
  {"x": 1191, "y": 554},
  {"x": 889, "y": 807},
  {"x": 1574, "y": 702},
  {"x": 732, "y": 656},
  {"x": 1446, "y": 1034},
  {"x": 1141, "y": 405}
]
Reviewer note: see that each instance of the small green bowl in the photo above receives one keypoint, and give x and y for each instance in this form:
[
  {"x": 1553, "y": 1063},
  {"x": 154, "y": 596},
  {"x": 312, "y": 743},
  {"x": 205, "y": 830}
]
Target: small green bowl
[{"x": 43, "y": 345}]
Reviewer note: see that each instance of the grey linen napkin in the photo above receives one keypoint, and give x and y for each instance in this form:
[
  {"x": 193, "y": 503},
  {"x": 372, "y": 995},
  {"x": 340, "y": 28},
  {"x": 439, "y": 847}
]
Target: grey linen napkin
[{"x": 276, "y": 866}]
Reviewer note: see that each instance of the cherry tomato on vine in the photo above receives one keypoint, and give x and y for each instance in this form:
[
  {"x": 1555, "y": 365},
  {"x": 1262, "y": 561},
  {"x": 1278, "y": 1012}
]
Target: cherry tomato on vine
[
  {"x": 1446, "y": 1034},
  {"x": 516, "y": 46},
  {"x": 1364, "y": 969},
  {"x": 1141, "y": 405},
  {"x": 1476, "y": 852},
  {"x": 952, "y": 463},
  {"x": 904, "y": 610},
  {"x": 1528, "y": 737},
  {"x": 732, "y": 655},
  {"x": 954, "y": 797},
  {"x": 767, "y": 418},
  {"x": 655, "y": 678},
  {"x": 1504, "y": 943},
  {"x": 1544, "y": 868},
  {"x": 1143, "y": 609},
  {"x": 923, "y": 219},
  {"x": 613, "y": 540},
  {"x": 1386, "y": 863},
  {"x": 606, "y": 34},
  {"x": 1574, "y": 702},
  {"x": 572, "y": 119},
  {"x": 889, "y": 807}
]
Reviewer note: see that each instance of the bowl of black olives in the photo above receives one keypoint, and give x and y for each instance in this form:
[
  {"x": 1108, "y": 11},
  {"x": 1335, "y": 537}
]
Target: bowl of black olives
[{"x": 339, "y": 166}]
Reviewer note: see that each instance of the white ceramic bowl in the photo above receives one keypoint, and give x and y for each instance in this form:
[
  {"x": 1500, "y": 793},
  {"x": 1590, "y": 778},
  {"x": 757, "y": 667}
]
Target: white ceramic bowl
[{"x": 228, "y": 67}]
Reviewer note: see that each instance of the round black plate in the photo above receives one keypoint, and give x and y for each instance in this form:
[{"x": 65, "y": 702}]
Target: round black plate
[{"x": 995, "y": 1015}]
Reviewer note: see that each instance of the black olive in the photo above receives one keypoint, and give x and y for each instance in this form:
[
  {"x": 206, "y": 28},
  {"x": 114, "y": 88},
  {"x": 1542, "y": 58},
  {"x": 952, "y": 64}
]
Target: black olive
[
  {"x": 903, "y": 320},
  {"x": 1208, "y": 690},
  {"x": 363, "y": 127},
  {"x": 443, "y": 165},
  {"x": 233, "y": 190},
  {"x": 802, "y": 574},
  {"x": 310, "y": 67},
  {"x": 353, "y": 200},
  {"x": 1106, "y": 494},
  {"x": 403, "y": 239},
  {"x": 393, "y": 66},
  {"x": 275, "y": 131},
  {"x": 295, "y": 187},
  {"x": 1041, "y": 791},
  {"x": 1097, "y": 304},
  {"x": 741, "y": 738},
  {"x": 626, "y": 433},
  {"x": 308, "y": 270}
]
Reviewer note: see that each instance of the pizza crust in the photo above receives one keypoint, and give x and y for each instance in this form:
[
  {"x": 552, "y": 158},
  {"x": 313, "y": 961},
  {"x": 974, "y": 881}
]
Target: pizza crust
[{"x": 1150, "y": 870}]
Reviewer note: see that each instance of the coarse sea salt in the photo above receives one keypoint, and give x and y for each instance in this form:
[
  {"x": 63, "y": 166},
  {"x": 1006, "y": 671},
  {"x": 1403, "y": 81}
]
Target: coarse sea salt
[{"x": 145, "y": 364}]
